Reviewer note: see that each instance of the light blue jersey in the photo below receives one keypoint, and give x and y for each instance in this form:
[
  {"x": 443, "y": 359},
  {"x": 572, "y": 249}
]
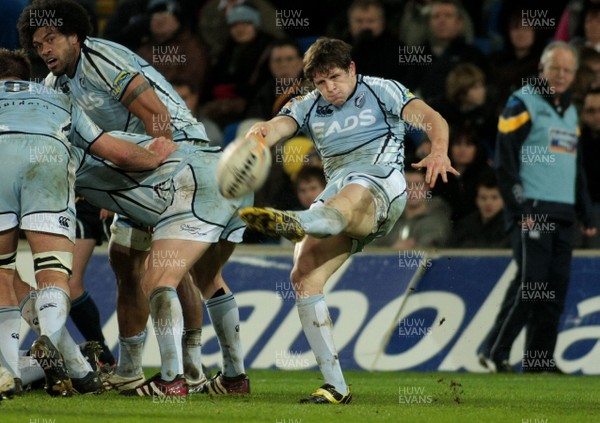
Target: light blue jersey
[
  {"x": 30, "y": 108},
  {"x": 103, "y": 73},
  {"x": 366, "y": 130}
]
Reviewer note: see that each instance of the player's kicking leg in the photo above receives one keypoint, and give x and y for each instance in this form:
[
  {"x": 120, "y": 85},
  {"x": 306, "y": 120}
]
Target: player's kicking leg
[{"x": 348, "y": 218}]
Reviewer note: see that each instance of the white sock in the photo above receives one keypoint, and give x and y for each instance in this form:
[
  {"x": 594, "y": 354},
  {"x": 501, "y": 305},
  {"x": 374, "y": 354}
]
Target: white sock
[
  {"x": 52, "y": 308},
  {"x": 317, "y": 326},
  {"x": 131, "y": 349},
  {"x": 322, "y": 221},
  {"x": 75, "y": 362},
  {"x": 167, "y": 319},
  {"x": 10, "y": 325},
  {"x": 225, "y": 317},
  {"x": 192, "y": 354}
]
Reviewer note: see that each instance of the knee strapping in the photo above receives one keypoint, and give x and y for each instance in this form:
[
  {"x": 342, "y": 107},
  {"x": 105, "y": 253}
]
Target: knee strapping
[
  {"x": 8, "y": 261},
  {"x": 58, "y": 261}
]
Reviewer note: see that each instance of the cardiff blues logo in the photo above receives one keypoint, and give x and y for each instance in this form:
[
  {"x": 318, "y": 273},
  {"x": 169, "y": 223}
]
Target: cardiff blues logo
[{"x": 360, "y": 99}]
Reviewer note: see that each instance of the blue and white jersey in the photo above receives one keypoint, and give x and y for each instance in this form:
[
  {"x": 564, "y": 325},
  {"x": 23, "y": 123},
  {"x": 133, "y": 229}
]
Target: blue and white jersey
[
  {"x": 32, "y": 109},
  {"x": 139, "y": 195},
  {"x": 104, "y": 71},
  {"x": 366, "y": 130}
]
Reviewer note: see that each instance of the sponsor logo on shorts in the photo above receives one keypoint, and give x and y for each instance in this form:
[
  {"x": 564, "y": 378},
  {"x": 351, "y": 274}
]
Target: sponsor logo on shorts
[
  {"x": 14, "y": 335},
  {"x": 194, "y": 230},
  {"x": 63, "y": 221}
]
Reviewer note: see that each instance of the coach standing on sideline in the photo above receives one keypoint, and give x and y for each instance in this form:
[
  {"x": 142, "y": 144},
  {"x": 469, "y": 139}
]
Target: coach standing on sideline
[{"x": 543, "y": 186}]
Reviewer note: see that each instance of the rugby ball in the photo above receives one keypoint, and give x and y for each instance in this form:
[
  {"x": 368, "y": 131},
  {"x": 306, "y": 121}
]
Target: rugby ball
[{"x": 244, "y": 166}]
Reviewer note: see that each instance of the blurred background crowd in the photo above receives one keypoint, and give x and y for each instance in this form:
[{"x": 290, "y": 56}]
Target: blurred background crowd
[{"x": 235, "y": 62}]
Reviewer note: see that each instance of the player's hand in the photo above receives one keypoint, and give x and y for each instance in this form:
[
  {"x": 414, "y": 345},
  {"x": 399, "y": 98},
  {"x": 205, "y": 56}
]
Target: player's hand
[
  {"x": 162, "y": 147},
  {"x": 589, "y": 232},
  {"x": 258, "y": 128},
  {"x": 436, "y": 164}
]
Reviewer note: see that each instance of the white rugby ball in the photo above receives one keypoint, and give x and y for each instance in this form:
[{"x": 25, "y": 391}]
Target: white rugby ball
[{"x": 244, "y": 166}]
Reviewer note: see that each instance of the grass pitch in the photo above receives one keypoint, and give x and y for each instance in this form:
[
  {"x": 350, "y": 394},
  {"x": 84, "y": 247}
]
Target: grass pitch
[{"x": 378, "y": 397}]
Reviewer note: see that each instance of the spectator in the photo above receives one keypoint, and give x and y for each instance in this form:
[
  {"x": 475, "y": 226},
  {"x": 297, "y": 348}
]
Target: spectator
[
  {"x": 171, "y": 48},
  {"x": 374, "y": 49},
  {"x": 425, "y": 222},
  {"x": 468, "y": 157},
  {"x": 213, "y": 24},
  {"x": 285, "y": 65},
  {"x": 466, "y": 103},
  {"x": 241, "y": 68},
  {"x": 310, "y": 182},
  {"x": 445, "y": 49},
  {"x": 590, "y": 151},
  {"x": 591, "y": 28},
  {"x": 483, "y": 228},
  {"x": 518, "y": 60}
]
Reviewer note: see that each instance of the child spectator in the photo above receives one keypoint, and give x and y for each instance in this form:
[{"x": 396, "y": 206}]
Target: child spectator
[
  {"x": 483, "y": 228},
  {"x": 310, "y": 182}
]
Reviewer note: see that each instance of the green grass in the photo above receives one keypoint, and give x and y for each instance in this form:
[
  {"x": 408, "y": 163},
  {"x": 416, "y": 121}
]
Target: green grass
[{"x": 385, "y": 397}]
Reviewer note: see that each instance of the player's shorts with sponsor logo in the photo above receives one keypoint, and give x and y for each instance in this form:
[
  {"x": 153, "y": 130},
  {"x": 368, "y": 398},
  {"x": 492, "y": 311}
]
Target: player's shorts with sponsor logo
[
  {"x": 388, "y": 188},
  {"x": 197, "y": 211},
  {"x": 36, "y": 192}
]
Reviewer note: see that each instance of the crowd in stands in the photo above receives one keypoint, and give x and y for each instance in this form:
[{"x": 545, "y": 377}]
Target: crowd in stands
[{"x": 238, "y": 61}]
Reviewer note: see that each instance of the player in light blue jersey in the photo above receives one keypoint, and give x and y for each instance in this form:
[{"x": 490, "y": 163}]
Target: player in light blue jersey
[
  {"x": 195, "y": 229},
  {"x": 37, "y": 128},
  {"x": 122, "y": 92},
  {"x": 357, "y": 124}
]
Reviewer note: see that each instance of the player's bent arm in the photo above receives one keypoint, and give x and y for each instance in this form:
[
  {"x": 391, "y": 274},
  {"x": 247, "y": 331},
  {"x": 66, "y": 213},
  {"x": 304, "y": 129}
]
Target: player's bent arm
[
  {"x": 141, "y": 100},
  {"x": 130, "y": 156},
  {"x": 275, "y": 130},
  {"x": 418, "y": 113},
  {"x": 434, "y": 125}
]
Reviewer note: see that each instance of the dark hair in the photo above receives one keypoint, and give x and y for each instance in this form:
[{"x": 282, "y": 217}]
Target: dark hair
[
  {"x": 67, "y": 16},
  {"x": 286, "y": 42},
  {"x": 14, "y": 63},
  {"x": 487, "y": 180},
  {"x": 307, "y": 173},
  {"x": 365, "y": 4},
  {"x": 461, "y": 79},
  {"x": 325, "y": 54}
]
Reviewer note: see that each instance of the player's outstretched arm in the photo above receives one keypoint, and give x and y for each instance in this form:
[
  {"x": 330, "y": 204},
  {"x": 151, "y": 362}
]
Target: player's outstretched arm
[
  {"x": 418, "y": 113},
  {"x": 141, "y": 100},
  {"x": 130, "y": 156},
  {"x": 275, "y": 130}
]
